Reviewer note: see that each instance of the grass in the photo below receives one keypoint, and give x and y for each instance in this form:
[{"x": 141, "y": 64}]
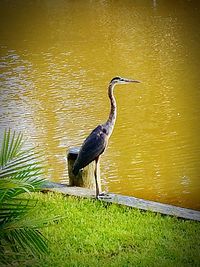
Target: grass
[{"x": 92, "y": 233}]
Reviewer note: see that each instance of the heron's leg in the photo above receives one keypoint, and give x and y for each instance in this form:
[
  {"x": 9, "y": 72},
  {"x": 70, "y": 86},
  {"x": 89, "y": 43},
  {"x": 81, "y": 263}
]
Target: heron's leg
[
  {"x": 95, "y": 175},
  {"x": 102, "y": 195}
]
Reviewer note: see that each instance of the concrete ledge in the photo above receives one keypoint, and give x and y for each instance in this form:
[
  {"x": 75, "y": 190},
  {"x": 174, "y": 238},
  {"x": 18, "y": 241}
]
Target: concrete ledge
[
  {"x": 127, "y": 201},
  {"x": 73, "y": 191},
  {"x": 155, "y": 207}
]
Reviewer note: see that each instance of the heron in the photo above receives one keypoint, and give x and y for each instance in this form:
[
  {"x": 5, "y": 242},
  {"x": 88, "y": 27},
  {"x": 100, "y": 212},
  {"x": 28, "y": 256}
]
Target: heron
[{"x": 96, "y": 142}]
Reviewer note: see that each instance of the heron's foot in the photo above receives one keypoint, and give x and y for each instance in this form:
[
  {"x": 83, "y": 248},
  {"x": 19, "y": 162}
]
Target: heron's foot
[{"x": 103, "y": 195}]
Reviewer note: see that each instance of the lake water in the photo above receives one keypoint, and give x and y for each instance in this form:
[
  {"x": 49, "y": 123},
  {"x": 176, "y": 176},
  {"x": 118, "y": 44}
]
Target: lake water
[{"x": 57, "y": 58}]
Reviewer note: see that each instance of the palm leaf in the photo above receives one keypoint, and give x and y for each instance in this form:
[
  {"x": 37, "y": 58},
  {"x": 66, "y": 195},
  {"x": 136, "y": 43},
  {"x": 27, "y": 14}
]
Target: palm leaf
[
  {"x": 10, "y": 147},
  {"x": 20, "y": 164},
  {"x": 17, "y": 231},
  {"x": 20, "y": 172},
  {"x": 13, "y": 210},
  {"x": 10, "y": 188}
]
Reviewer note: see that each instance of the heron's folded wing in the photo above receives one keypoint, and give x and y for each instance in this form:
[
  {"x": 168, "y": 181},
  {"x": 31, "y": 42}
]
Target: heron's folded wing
[{"x": 93, "y": 147}]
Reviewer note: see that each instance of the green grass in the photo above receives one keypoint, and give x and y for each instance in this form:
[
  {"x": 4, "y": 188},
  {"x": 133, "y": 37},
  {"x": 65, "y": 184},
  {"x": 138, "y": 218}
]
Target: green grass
[{"x": 92, "y": 233}]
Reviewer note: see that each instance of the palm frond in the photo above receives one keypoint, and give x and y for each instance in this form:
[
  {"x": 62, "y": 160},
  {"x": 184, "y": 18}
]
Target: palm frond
[
  {"x": 14, "y": 209},
  {"x": 18, "y": 235},
  {"x": 26, "y": 239},
  {"x": 15, "y": 163},
  {"x": 10, "y": 147},
  {"x": 10, "y": 188},
  {"x": 20, "y": 172}
]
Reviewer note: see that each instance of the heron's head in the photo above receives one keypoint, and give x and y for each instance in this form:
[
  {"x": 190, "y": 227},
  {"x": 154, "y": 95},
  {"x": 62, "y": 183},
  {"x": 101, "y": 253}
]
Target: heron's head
[{"x": 120, "y": 80}]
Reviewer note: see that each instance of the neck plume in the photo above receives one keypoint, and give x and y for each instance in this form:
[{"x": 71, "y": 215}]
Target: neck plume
[{"x": 113, "y": 110}]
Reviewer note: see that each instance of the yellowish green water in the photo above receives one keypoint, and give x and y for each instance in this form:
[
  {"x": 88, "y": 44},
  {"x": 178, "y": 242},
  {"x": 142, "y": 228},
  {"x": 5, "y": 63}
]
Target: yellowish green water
[{"x": 57, "y": 58}]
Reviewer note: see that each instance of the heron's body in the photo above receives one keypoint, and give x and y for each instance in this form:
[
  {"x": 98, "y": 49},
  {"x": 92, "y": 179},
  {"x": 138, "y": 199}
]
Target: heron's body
[
  {"x": 95, "y": 144},
  {"x": 92, "y": 148}
]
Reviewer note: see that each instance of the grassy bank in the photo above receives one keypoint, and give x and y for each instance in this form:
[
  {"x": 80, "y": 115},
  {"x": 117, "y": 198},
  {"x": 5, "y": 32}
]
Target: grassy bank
[{"x": 93, "y": 233}]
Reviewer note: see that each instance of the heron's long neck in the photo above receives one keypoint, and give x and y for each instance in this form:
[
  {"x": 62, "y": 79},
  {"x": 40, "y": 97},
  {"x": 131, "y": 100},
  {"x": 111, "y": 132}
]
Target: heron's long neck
[{"x": 113, "y": 110}]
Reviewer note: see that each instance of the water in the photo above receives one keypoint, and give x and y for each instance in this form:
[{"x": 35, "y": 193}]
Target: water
[{"x": 57, "y": 58}]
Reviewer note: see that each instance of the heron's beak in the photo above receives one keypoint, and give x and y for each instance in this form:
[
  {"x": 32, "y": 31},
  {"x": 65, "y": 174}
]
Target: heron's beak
[{"x": 132, "y": 81}]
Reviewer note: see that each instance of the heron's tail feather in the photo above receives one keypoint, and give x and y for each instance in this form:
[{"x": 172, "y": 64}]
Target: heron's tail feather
[{"x": 75, "y": 170}]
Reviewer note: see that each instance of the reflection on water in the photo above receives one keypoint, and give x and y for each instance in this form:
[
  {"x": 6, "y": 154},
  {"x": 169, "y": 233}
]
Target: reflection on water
[{"x": 56, "y": 61}]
